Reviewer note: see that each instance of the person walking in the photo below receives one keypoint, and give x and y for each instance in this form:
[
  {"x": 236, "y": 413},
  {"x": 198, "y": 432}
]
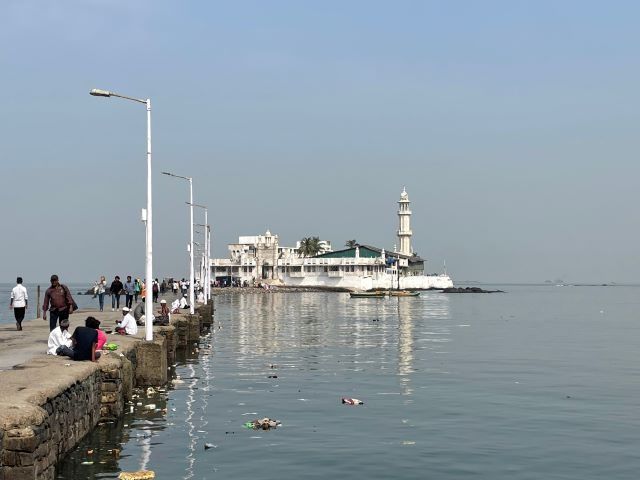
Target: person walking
[
  {"x": 129, "y": 289},
  {"x": 155, "y": 289},
  {"x": 100, "y": 288},
  {"x": 137, "y": 288},
  {"x": 19, "y": 300},
  {"x": 116, "y": 291},
  {"x": 59, "y": 302}
]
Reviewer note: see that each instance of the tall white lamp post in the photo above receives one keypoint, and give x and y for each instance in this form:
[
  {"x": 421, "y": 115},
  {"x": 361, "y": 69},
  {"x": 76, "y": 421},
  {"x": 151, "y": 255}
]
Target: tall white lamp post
[
  {"x": 207, "y": 254},
  {"x": 148, "y": 214},
  {"x": 191, "y": 272}
]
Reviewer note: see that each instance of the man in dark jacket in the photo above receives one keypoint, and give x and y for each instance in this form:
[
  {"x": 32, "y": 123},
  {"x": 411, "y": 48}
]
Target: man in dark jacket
[
  {"x": 58, "y": 300},
  {"x": 116, "y": 291}
]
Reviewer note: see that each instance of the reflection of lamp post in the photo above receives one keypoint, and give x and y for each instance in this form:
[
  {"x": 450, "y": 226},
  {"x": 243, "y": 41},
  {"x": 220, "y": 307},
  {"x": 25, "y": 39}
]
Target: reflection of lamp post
[
  {"x": 147, "y": 215},
  {"x": 190, "y": 202}
]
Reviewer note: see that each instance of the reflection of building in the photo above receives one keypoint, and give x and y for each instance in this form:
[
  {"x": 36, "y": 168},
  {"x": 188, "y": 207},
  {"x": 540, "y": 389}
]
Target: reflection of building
[{"x": 359, "y": 267}]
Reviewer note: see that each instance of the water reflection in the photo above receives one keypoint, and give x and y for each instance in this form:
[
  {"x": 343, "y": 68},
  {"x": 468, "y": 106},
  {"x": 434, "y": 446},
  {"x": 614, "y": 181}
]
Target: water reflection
[{"x": 319, "y": 344}]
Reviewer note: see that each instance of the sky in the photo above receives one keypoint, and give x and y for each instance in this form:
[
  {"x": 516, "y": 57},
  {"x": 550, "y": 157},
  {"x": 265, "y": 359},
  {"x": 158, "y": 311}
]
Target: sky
[{"x": 513, "y": 125}]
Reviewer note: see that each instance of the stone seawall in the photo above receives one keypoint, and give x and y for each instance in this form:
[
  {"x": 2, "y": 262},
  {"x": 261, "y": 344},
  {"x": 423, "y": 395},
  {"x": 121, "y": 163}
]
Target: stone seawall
[{"x": 49, "y": 403}]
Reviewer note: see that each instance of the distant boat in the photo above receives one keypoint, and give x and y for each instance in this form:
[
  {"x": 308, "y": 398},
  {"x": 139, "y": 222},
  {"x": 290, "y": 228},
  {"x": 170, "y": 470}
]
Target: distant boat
[
  {"x": 377, "y": 294},
  {"x": 403, "y": 293}
]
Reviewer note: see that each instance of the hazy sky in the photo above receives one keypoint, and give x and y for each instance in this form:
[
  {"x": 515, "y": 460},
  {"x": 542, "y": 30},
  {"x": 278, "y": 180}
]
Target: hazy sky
[{"x": 513, "y": 124}]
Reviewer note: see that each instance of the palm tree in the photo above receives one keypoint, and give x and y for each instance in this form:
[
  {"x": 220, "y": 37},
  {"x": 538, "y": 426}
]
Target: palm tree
[
  {"x": 309, "y": 246},
  {"x": 351, "y": 243}
]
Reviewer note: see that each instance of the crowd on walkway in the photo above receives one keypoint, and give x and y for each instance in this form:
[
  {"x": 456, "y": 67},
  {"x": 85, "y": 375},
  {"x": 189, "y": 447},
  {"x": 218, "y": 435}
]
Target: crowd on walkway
[{"x": 86, "y": 342}]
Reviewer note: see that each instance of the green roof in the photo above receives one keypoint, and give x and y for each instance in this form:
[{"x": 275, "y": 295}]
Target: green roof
[{"x": 365, "y": 252}]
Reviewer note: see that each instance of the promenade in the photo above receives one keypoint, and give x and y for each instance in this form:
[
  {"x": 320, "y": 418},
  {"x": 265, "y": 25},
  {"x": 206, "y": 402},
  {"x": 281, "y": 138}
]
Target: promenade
[
  {"x": 16, "y": 347},
  {"x": 48, "y": 403}
]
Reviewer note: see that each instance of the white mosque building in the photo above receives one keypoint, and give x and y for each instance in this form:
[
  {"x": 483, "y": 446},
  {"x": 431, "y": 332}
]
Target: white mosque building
[{"x": 361, "y": 267}]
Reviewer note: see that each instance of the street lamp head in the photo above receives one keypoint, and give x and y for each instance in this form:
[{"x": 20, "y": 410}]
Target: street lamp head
[{"x": 96, "y": 92}]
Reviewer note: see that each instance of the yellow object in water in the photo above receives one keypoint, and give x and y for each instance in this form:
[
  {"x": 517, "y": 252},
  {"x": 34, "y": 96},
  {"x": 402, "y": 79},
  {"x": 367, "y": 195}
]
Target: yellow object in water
[{"x": 139, "y": 475}]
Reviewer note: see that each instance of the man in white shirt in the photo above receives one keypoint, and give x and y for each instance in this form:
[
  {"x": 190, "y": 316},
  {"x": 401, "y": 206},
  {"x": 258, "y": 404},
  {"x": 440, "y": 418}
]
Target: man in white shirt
[
  {"x": 183, "y": 302},
  {"x": 128, "y": 325},
  {"x": 58, "y": 337},
  {"x": 19, "y": 300}
]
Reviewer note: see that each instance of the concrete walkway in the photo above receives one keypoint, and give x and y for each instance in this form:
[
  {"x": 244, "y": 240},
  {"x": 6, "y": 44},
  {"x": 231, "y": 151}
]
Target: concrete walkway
[{"x": 16, "y": 347}]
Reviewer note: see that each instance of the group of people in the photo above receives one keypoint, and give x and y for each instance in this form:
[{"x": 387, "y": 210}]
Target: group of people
[{"x": 131, "y": 288}]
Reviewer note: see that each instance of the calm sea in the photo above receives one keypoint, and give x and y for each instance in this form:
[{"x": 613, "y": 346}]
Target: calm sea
[
  {"x": 538, "y": 382},
  {"x": 83, "y": 301}
]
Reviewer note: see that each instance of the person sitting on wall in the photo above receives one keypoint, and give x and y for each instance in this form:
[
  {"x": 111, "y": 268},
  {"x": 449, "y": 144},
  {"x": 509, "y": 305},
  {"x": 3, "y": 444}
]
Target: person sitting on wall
[
  {"x": 94, "y": 323},
  {"x": 85, "y": 341},
  {"x": 138, "y": 313},
  {"x": 164, "y": 316},
  {"x": 127, "y": 325},
  {"x": 58, "y": 337},
  {"x": 175, "y": 306},
  {"x": 183, "y": 302}
]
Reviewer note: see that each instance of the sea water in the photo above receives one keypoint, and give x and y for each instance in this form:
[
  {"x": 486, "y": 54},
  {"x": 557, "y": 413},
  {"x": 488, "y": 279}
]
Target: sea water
[{"x": 538, "y": 382}]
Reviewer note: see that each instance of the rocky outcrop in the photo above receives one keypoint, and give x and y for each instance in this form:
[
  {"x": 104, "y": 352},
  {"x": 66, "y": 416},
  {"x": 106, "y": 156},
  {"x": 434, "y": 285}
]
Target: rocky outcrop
[{"x": 469, "y": 290}]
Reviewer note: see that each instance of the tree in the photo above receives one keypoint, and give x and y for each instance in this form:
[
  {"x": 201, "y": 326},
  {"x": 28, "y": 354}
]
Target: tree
[
  {"x": 309, "y": 246},
  {"x": 351, "y": 243}
]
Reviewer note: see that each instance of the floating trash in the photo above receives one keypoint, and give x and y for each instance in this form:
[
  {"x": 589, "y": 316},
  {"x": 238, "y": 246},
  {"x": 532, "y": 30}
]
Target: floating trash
[
  {"x": 139, "y": 475},
  {"x": 262, "y": 424},
  {"x": 207, "y": 446},
  {"x": 352, "y": 401}
]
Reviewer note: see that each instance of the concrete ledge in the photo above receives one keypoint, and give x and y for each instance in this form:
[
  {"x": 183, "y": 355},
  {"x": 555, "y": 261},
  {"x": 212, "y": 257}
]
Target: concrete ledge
[
  {"x": 49, "y": 403},
  {"x": 151, "y": 368}
]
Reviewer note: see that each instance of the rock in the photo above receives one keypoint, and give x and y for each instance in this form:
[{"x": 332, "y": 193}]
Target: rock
[{"x": 468, "y": 290}]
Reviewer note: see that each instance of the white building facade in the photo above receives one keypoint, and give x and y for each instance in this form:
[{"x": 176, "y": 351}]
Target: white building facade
[{"x": 362, "y": 267}]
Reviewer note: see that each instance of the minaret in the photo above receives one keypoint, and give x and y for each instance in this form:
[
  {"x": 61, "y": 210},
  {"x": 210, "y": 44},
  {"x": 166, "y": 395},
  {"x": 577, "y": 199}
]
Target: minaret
[{"x": 404, "y": 228}]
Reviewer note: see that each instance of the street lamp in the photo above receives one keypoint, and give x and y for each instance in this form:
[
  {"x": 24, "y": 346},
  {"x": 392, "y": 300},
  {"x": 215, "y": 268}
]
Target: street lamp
[
  {"x": 191, "y": 274},
  {"x": 207, "y": 247},
  {"x": 148, "y": 214},
  {"x": 207, "y": 254}
]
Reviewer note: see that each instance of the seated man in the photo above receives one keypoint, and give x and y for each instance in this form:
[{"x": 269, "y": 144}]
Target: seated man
[
  {"x": 85, "y": 341},
  {"x": 138, "y": 313},
  {"x": 175, "y": 306},
  {"x": 183, "y": 302},
  {"x": 164, "y": 315},
  {"x": 58, "y": 337},
  {"x": 127, "y": 325}
]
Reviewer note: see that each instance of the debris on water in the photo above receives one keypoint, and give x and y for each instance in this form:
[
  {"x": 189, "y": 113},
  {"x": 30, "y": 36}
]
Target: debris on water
[
  {"x": 229, "y": 433},
  {"x": 352, "y": 401},
  {"x": 273, "y": 365},
  {"x": 408, "y": 442},
  {"x": 139, "y": 475},
  {"x": 207, "y": 446},
  {"x": 262, "y": 424},
  {"x": 272, "y": 376}
]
